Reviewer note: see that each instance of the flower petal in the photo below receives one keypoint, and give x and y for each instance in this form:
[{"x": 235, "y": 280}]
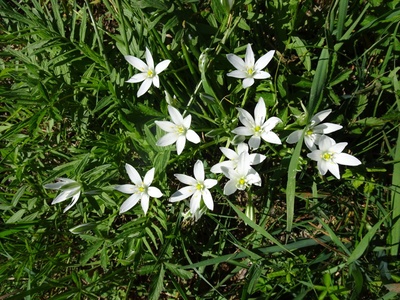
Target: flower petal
[
  {"x": 192, "y": 136},
  {"x": 315, "y": 155},
  {"x": 334, "y": 169},
  {"x": 137, "y": 78},
  {"x": 236, "y": 61},
  {"x": 156, "y": 81},
  {"x": 161, "y": 66},
  {"x": 261, "y": 75},
  {"x": 136, "y": 62},
  {"x": 145, "y": 202},
  {"x": 294, "y": 137},
  {"x": 166, "y": 126},
  {"x": 319, "y": 117},
  {"x": 175, "y": 115},
  {"x": 148, "y": 178},
  {"x": 167, "y": 139},
  {"x": 144, "y": 87},
  {"x": 271, "y": 123},
  {"x": 180, "y": 144},
  {"x": 249, "y": 57},
  {"x": 208, "y": 200},
  {"x": 183, "y": 193},
  {"x": 256, "y": 158},
  {"x": 195, "y": 202},
  {"x": 198, "y": 171},
  {"x": 260, "y": 112},
  {"x": 346, "y": 159},
  {"x": 129, "y": 203},
  {"x": 125, "y": 188},
  {"x": 264, "y": 60},
  {"x": 149, "y": 59},
  {"x": 154, "y": 192},
  {"x": 237, "y": 74},
  {"x": 189, "y": 180},
  {"x": 209, "y": 183},
  {"x": 322, "y": 166},
  {"x": 243, "y": 131},
  {"x": 74, "y": 200},
  {"x": 326, "y": 128},
  {"x": 325, "y": 143},
  {"x": 230, "y": 187},
  {"x": 246, "y": 118},
  {"x": 254, "y": 142},
  {"x": 133, "y": 174},
  {"x": 337, "y": 148},
  {"x": 227, "y": 164},
  {"x": 187, "y": 121},
  {"x": 271, "y": 137},
  {"x": 247, "y": 82}
]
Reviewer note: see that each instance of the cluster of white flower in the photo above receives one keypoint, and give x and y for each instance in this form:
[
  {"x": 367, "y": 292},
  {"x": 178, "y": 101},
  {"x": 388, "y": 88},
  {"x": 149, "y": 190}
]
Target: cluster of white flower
[{"x": 238, "y": 168}]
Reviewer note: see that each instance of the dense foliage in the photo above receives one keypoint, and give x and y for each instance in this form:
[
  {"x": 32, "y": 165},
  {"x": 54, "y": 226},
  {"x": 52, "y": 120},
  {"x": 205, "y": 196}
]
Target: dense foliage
[{"x": 68, "y": 112}]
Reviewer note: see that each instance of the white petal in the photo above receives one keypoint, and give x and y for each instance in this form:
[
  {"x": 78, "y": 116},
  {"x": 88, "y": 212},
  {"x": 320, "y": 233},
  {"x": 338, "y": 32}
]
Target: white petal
[
  {"x": 242, "y": 147},
  {"x": 237, "y": 74},
  {"x": 260, "y": 112},
  {"x": 144, "y": 87},
  {"x": 337, "y": 148},
  {"x": 156, "y": 81},
  {"x": 249, "y": 57},
  {"x": 54, "y": 186},
  {"x": 230, "y": 187},
  {"x": 346, "y": 159},
  {"x": 129, "y": 203},
  {"x": 294, "y": 137},
  {"x": 187, "y": 121},
  {"x": 189, "y": 180},
  {"x": 322, "y": 166},
  {"x": 154, "y": 192},
  {"x": 315, "y": 155},
  {"x": 148, "y": 178},
  {"x": 162, "y": 66},
  {"x": 133, "y": 174},
  {"x": 145, "y": 201},
  {"x": 229, "y": 153},
  {"x": 243, "y": 164},
  {"x": 175, "y": 115},
  {"x": 261, "y": 75},
  {"x": 271, "y": 123},
  {"x": 310, "y": 141},
  {"x": 195, "y": 202},
  {"x": 183, "y": 193},
  {"x": 137, "y": 78},
  {"x": 227, "y": 164},
  {"x": 325, "y": 143},
  {"x": 62, "y": 197},
  {"x": 243, "y": 131},
  {"x": 319, "y": 117},
  {"x": 166, "y": 126},
  {"x": 236, "y": 61},
  {"x": 334, "y": 169},
  {"x": 198, "y": 171},
  {"x": 254, "y": 142},
  {"x": 271, "y": 137},
  {"x": 74, "y": 200},
  {"x": 149, "y": 59},
  {"x": 246, "y": 118},
  {"x": 192, "y": 136},
  {"x": 208, "y": 200},
  {"x": 247, "y": 82},
  {"x": 256, "y": 158},
  {"x": 254, "y": 179},
  {"x": 326, "y": 128},
  {"x": 167, "y": 139},
  {"x": 126, "y": 188},
  {"x": 180, "y": 144},
  {"x": 209, "y": 183},
  {"x": 264, "y": 60},
  {"x": 136, "y": 62}
]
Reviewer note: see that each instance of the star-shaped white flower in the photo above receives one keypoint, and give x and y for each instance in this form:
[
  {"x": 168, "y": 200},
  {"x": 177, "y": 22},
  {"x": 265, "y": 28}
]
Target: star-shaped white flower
[
  {"x": 69, "y": 188},
  {"x": 330, "y": 156},
  {"x": 241, "y": 177},
  {"x": 140, "y": 189},
  {"x": 257, "y": 127},
  {"x": 248, "y": 68},
  {"x": 177, "y": 131},
  {"x": 197, "y": 187},
  {"x": 149, "y": 74},
  {"x": 314, "y": 130},
  {"x": 233, "y": 157}
]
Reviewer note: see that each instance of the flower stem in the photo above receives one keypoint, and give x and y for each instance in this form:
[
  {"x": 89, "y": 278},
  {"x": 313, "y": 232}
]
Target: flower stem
[{"x": 245, "y": 97}]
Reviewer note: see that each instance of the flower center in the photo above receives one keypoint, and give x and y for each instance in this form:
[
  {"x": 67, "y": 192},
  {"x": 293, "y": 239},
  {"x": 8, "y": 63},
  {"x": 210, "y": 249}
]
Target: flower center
[
  {"x": 258, "y": 130},
  {"x": 199, "y": 186},
  {"x": 327, "y": 156},
  {"x": 181, "y": 130},
  {"x": 150, "y": 73},
  {"x": 241, "y": 183},
  {"x": 142, "y": 188},
  {"x": 250, "y": 71},
  {"x": 309, "y": 132}
]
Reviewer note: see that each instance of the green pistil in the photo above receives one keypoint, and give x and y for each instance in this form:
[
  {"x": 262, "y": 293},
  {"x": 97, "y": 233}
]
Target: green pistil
[
  {"x": 141, "y": 189},
  {"x": 250, "y": 71},
  {"x": 309, "y": 132},
  {"x": 326, "y": 156},
  {"x": 181, "y": 130},
  {"x": 199, "y": 186},
  {"x": 150, "y": 73}
]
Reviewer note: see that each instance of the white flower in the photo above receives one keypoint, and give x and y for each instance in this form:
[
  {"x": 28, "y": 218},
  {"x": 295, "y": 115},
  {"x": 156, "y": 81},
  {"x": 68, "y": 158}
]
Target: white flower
[
  {"x": 233, "y": 156},
  {"x": 314, "y": 130},
  {"x": 330, "y": 156},
  {"x": 248, "y": 69},
  {"x": 149, "y": 74},
  {"x": 140, "y": 189},
  {"x": 178, "y": 130},
  {"x": 69, "y": 188},
  {"x": 256, "y": 127},
  {"x": 241, "y": 177},
  {"x": 197, "y": 187}
]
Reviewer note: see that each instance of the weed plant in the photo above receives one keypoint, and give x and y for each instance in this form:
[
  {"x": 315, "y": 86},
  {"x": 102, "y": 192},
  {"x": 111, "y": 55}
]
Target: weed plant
[{"x": 67, "y": 111}]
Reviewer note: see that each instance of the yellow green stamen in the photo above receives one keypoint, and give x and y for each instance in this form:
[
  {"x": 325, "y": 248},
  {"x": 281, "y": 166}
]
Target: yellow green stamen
[{"x": 326, "y": 156}]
